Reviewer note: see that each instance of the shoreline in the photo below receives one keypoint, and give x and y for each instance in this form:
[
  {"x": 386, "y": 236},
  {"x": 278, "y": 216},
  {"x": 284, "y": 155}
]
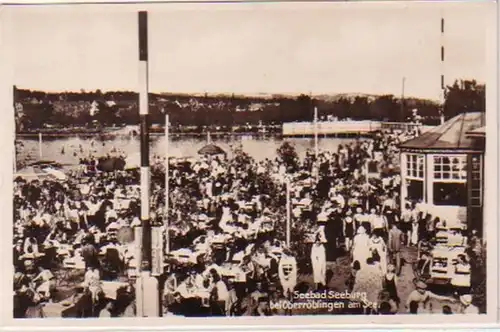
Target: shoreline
[{"x": 111, "y": 135}]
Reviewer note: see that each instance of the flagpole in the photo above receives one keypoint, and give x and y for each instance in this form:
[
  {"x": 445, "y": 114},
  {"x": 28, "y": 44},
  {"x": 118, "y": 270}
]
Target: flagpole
[
  {"x": 316, "y": 145},
  {"x": 147, "y": 295},
  {"x": 167, "y": 179}
]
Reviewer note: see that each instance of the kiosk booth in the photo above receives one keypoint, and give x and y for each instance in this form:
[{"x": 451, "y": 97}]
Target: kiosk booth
[{"x": 444, "y": 170}]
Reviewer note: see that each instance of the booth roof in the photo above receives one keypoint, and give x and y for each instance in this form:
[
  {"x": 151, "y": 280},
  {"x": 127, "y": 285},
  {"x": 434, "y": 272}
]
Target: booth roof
[{"x": 451, "y": 135}]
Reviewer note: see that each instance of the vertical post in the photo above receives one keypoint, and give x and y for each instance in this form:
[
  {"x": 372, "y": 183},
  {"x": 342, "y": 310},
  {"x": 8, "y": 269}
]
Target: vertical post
[
  {"x": 366, "y": 170},
  {"x": 208, "y": 137},
  {"x": 443, "y": 85},
  {"x": 316, "y": 150},
  {"x": 40, "y": 149},
  {"x": 167, "y": 179},
  {"x": 288, "y": 214},
  {"x": 144, "y": 132},
  {"x": 147, "y": 290},
  {"x": 403, "y": 188}
]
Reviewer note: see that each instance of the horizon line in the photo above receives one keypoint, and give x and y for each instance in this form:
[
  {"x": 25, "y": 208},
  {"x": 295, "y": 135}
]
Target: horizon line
[{"x": 240, "y": 94}]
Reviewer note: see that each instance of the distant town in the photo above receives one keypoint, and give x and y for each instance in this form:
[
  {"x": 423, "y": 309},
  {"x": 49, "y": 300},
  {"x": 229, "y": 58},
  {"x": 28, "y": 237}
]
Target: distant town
[{"x": 90, "y": 111}]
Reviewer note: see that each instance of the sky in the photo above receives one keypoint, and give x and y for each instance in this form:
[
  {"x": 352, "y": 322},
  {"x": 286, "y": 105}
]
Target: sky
[{"x": 250, "y": 48}]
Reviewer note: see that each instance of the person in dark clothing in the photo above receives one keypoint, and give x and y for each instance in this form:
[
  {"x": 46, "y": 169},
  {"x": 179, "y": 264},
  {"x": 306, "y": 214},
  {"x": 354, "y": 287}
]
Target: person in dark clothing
[{"x": 90, "y": 254}]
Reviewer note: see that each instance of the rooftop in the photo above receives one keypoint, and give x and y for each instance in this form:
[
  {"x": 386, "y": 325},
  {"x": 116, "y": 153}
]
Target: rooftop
[{"x": 454, "y": 134}]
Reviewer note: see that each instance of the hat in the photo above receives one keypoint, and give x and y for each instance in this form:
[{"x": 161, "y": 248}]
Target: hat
[
  {"x": 420, "y": 285},
  {"x": 466, "y": 299},
  {"x": 391, "y": 268}
]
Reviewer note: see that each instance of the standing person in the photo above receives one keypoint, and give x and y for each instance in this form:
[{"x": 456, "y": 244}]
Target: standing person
[
  {"x": 414, "y": 231},
  {"x": 379, "y": 248},
  {"x": 318, "y": 261},
  {"x": 287, "y": 273},
  {"x": 379, "y": 225},
  {"x": 220, "y": 295},
  {"x": 361, "y": 246},
  {"x": 394, "y": 246},
  {"x": 406, "y": 223},
  {"x": 89, "y": 252},
  {"x": 333, "y": 231},
  {"x": 390, "y": 283},
  {"x": 349, "y": 230},
  {"x": 92, "y": 282}
]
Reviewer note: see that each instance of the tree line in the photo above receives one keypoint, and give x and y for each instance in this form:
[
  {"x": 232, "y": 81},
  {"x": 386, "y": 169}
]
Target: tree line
[{"x": 37, "y": 109}]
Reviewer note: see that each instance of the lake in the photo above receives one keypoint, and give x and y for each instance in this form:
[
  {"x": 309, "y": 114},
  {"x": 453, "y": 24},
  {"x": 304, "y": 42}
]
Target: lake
[{"x": 68, "y": 150}]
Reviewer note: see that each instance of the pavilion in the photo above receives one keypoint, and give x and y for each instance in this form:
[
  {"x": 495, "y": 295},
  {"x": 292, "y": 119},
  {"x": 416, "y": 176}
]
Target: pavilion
[{"x": 444, "y": 169}]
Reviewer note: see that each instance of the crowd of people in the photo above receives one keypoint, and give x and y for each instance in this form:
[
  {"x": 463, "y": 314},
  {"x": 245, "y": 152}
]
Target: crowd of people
[{"x": 227, "y": 251}]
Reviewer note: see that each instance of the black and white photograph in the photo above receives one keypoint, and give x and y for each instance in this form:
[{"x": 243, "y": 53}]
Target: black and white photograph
[{"x": 235, "y": 160}]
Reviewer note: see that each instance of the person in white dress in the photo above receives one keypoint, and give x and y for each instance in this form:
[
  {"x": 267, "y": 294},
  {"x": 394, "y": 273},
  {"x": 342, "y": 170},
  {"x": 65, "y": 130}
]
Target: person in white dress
[
  {"x": 287, "y": 272},
  {"x": 414, "y": 232},
  {"x": 318, "y": 261},
  {"x": 361, "y": 247},
  {"x": 92, "y": 281},
  {"x": 377, "y": 245}
]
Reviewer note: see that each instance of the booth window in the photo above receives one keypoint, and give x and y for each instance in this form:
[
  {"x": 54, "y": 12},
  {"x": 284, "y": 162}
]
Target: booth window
[
  {"x": 450, "y": 167},
  {"x": 450, "y": 177},
  {"x": 476, "y": 185},
  {"x": 415, "y": 166},
  {"x": 415, "y": 189},
  {"x": 414, "y": 179}
]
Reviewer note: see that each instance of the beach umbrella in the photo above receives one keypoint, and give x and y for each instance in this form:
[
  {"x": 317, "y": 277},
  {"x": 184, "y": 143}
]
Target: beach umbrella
[{"x": 211, "y": 149}]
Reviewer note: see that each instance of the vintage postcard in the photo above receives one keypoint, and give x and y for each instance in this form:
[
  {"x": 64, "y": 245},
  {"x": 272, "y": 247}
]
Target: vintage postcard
[{"x": 317, "y": 163}]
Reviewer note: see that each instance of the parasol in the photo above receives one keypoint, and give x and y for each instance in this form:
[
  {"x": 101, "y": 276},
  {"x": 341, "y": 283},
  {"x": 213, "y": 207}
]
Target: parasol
[{"x": 211, "y": 149}]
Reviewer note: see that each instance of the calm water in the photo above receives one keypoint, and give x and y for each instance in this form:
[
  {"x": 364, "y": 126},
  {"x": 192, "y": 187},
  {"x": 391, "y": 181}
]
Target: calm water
[{"x": 258, "y": 147}]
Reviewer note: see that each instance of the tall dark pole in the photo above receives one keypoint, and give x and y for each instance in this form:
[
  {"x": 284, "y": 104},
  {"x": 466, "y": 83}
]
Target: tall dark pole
[
  {"x": 144, "y": 124},
  {"x": 147, "y": 295}
]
